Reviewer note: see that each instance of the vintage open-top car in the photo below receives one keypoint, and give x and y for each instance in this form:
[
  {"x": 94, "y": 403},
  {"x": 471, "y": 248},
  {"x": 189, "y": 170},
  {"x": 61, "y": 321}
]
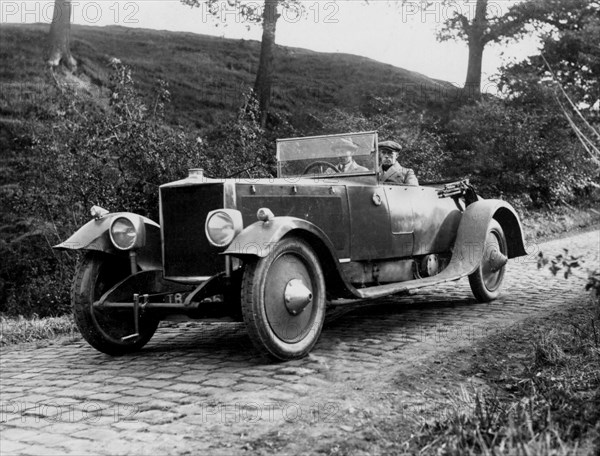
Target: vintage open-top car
[{"x": 275, "y": 253}]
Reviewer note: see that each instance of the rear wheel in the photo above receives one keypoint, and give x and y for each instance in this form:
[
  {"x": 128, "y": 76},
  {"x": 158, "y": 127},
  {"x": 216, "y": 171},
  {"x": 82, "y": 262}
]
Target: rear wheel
[
  {"x": 487, "y": 280},
  {"x": 283, "y": 300},
  {"x": 104, "y": 329}
]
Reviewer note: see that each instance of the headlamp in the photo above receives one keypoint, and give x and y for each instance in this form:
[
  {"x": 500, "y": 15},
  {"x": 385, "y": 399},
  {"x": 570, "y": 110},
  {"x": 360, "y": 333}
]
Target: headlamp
[
  {"x": 127, "y": 233},
  {"x": 222, "y": 226}
]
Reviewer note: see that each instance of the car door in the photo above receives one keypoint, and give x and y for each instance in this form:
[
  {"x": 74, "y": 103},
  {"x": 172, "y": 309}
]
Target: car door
[
  {"x": 381, "y": 221},
  {"x": 370, "y": 234},
  {"x": 401, "y": 199}
]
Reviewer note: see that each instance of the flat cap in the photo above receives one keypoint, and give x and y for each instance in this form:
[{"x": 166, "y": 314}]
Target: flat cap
[{"x": 392, "y": 145}]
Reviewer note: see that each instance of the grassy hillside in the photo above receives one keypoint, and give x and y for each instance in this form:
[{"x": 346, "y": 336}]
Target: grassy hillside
[{"x": 208, "y": 74}]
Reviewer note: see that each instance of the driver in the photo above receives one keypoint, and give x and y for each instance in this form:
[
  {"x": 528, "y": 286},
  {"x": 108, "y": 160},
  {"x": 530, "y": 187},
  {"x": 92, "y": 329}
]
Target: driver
[
  {"x": 391, "y": 171},
  {"x": 346, "y": 164}
]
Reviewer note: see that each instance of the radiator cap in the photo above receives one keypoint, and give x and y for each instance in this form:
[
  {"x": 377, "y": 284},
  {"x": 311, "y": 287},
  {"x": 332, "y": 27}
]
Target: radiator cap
[{"x": 197, "y": 173}]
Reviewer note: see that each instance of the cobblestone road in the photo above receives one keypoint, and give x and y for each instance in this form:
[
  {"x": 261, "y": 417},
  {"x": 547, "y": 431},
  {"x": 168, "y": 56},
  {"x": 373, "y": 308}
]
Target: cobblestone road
[{"x": 201, "y": 388}]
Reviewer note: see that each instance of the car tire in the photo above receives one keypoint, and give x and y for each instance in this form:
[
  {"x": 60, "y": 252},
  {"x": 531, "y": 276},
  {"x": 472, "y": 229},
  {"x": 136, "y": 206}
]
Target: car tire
[
  {"x": 486, "y": 282},
  {"x": 272, "y": 288},
  {"x": 103, "y": 329}
]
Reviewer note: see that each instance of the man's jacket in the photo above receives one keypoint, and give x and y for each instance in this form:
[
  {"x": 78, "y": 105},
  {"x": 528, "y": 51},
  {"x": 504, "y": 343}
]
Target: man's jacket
[{"x": 399, "y": 175}]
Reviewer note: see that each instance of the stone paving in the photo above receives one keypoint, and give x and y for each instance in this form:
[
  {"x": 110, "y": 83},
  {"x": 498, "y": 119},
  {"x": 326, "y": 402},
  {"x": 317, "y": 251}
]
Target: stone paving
[{"x": 200, "y": 387}]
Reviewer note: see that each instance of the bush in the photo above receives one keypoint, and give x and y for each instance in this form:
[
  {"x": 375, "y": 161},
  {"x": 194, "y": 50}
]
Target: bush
[
  {"x": 113, "y": 153},
  {"x": 240, "y": 147},
  {"x": 528, "y": 155}
]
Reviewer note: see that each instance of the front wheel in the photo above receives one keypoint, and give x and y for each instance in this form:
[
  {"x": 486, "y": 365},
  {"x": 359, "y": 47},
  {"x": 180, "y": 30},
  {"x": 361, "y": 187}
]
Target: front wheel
[
  {"x": 104, "y": 329},
  {"x": 283, "y": 300},
  {"x": 486, "y": 281}
]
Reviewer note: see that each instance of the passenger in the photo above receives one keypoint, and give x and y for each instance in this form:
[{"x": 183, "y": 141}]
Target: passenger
[
  {"x": 346, "y": 163},
  {"x": 391, "y": 171}
]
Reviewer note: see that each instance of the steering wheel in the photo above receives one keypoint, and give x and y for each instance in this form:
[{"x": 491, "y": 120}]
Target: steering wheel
[{"x": 321, "y": 164}]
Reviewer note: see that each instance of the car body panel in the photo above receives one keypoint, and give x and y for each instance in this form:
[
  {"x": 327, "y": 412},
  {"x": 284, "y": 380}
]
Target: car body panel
[
  {"x": 474, "y": 222},
  {"x": 435, "y": 221},
  {"x": 258, "y": 238},
  {"x": 369, "y": 223},
  {"x": 321, "y": 203},
  {"x": 467, "y": 253}
]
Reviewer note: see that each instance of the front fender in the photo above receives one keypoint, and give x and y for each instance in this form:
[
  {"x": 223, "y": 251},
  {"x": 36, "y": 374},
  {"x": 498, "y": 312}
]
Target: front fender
[
  {"x": 94, "y": 236},
  {"x": 257, "y": 239},
  {"x": 470, "y": 241}
]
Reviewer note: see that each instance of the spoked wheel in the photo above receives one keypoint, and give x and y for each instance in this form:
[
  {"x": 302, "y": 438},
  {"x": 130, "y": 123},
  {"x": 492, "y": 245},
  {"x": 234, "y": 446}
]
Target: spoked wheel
[
  {"x": 283, "y": 300},
  {"x": 487, "y": 279},
  {"x": 104, "y": 329}
]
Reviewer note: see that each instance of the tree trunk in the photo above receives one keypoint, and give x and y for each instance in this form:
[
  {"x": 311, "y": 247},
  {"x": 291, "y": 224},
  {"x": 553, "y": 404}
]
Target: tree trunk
[
  {"x": 476, "y": 34},
  {"x": 264, "y": 76},
  {"x": 473, "y": 81},
  {"x": 59, "y": 48}
]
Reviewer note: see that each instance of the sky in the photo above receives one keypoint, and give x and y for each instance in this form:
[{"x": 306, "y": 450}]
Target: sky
[{"x": 400, "y": 34}]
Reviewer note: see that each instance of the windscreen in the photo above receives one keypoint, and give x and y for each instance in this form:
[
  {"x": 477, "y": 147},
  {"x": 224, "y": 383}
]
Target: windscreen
[{"x": 352, "y": 153}]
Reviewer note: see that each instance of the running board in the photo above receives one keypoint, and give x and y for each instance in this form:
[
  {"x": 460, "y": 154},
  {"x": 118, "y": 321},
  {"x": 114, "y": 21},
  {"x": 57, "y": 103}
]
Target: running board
[
  {"x": 380, "y": 291},
  {"x": 459, "y": 267}
]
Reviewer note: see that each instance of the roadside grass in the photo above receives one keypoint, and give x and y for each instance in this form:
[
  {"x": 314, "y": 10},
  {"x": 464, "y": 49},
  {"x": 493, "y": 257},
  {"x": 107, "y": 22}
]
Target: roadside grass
[
  {"x": 16, "y": 330},
  {"x": 547, "y": 223},
  {"x": 549, "y": 406}
]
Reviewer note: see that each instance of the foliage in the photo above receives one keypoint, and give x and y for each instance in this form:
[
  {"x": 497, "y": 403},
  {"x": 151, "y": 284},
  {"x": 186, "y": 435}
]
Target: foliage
[
  {"x": 528, "y": 155},
  {"x": 496, "y": 25},
  {"x": 566, "y": 73},
  {"x": 250, "y": 12},
  {"x": 113, "y": 154},
  {"x": 568, "y": 263},
  {"x": 240, "y": 146},
  {"x": 593, "y": 284},
  {"x": 560, "y": 261},
  {"x": 569, "y": 33}
]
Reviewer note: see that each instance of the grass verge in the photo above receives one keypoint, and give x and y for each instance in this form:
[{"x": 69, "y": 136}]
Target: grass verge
[
  {"x": 543, "y": 224},
  {"x": 16, "y": 330},
  {"x": 548, "y": 403}
]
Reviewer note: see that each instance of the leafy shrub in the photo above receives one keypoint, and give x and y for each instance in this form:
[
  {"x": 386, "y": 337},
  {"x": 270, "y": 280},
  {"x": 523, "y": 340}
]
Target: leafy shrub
[
  {"x": 240, "y": 148},
  {"x": 528, "y": 155},
  {"x": 113, "y": 153}
]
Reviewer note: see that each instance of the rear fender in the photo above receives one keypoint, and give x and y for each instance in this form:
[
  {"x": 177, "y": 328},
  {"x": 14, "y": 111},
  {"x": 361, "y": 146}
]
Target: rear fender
[
  {"x": 94, "y": 236},
  {"x": 257, "y": 240},
  {"x": 469, "y": 246}
]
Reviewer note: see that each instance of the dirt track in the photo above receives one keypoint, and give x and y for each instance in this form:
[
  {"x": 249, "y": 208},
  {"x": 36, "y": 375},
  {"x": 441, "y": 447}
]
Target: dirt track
[{"x": 201, "y": 387}]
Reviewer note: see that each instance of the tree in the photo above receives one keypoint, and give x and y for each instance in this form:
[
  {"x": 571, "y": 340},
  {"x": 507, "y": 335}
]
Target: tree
[
  {"x": 267, "y": 16},
  {"x": 264, "y": 75},
  {"x": 570, "y": 37},
  {"x": 484, "y": 27},
  {"x": 59, "y": 45},
  {"x": 566, "y": 73}
]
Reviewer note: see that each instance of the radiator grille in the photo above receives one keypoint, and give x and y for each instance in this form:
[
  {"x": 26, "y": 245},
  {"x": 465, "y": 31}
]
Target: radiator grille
[{"x": 186, "y": 251}]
